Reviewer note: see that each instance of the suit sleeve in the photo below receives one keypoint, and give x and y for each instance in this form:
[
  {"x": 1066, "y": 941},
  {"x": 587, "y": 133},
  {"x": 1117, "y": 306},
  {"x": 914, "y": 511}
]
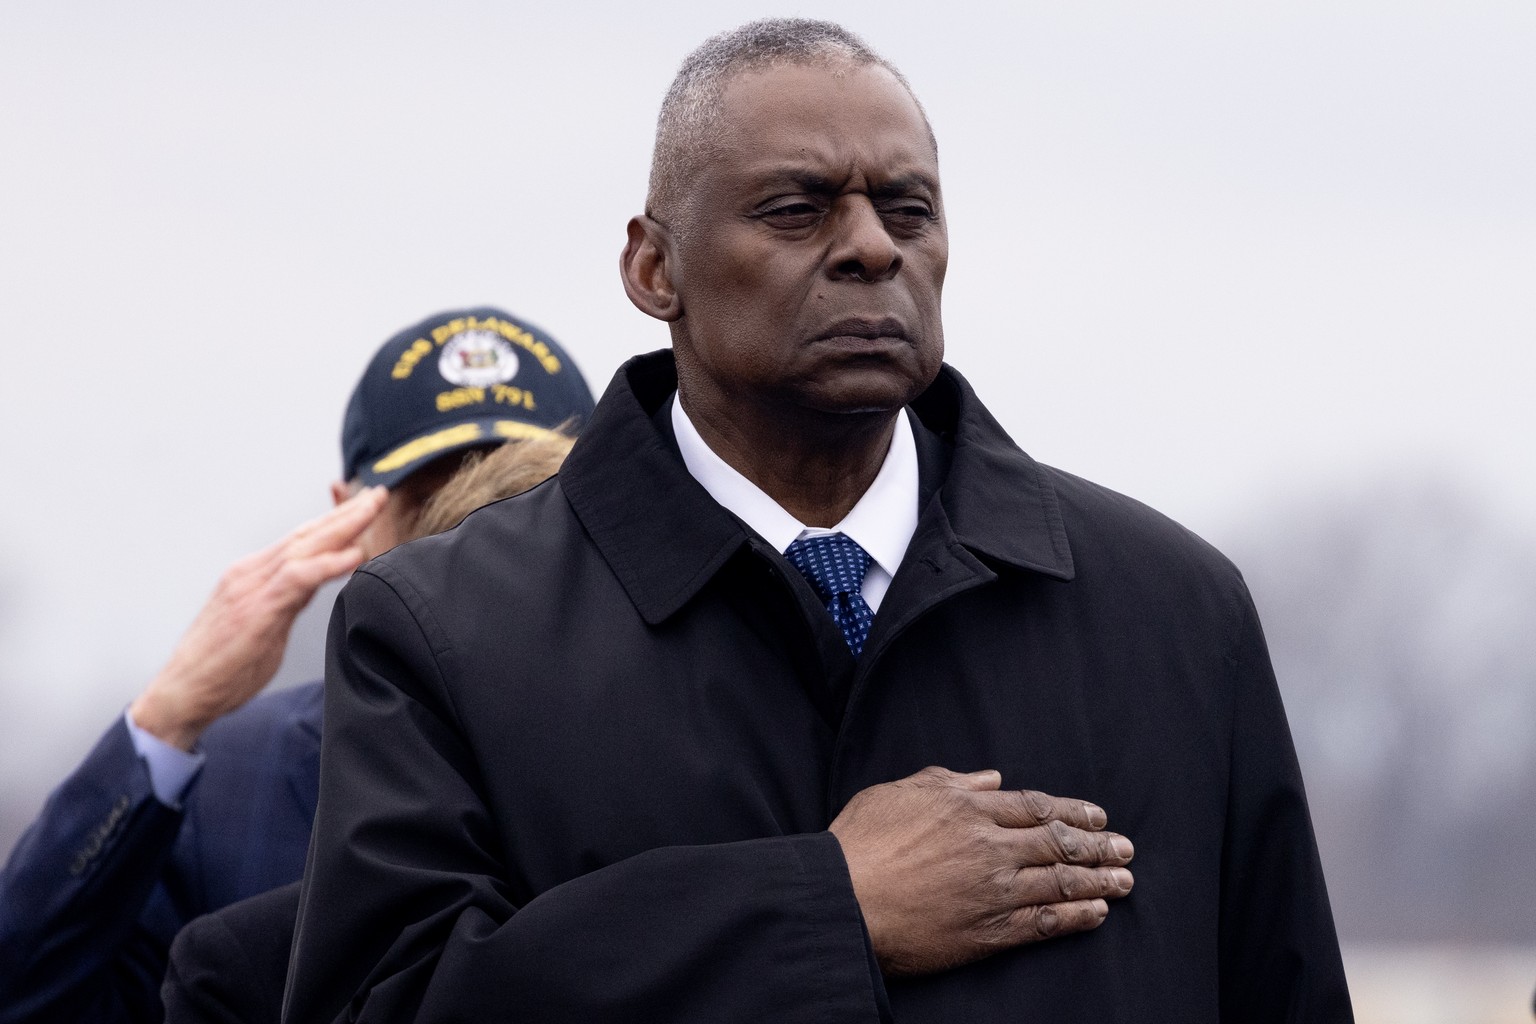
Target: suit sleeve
[
  {"x": 83, "y": 925},
  {"x": 406, "y": 914},
  {"x": 1279, "y": 952}
]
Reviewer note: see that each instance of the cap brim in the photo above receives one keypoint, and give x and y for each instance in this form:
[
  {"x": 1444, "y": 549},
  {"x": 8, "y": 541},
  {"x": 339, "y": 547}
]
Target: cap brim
[{"x": 409, "y": 456}]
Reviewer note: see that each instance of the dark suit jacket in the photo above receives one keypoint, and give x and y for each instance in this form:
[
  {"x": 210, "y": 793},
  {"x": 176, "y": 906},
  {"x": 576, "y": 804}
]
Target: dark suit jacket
[
  {"x": 99, "y": 885},
  {"x": 581, "y": 752},
  {"x": 228, "y": 967}
]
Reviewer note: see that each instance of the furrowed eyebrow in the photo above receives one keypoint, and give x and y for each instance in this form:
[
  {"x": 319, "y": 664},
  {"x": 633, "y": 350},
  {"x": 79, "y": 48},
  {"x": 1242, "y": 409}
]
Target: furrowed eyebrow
[
  {"x": 904, "y": 185},
  {"x": 800, "y": 181},
  {"x": 812, "y": 183}
]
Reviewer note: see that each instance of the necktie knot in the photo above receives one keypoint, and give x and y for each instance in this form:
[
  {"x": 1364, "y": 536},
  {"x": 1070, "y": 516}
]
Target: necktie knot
[{"x": 835, "y": 565}]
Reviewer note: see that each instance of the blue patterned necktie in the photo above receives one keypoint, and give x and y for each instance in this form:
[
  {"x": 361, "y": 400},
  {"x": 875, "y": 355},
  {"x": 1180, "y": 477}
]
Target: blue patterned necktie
[{"x": 835, "y": 566}]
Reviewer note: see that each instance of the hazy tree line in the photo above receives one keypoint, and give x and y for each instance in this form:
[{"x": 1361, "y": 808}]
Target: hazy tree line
[{"x": 1402, "y": 623}]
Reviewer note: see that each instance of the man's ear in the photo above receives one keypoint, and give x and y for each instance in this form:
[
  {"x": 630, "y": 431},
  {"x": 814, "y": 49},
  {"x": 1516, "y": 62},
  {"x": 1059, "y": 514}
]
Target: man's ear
[
  {"x": 340, "y": 492},
  {"x": 645, "y": 266}
]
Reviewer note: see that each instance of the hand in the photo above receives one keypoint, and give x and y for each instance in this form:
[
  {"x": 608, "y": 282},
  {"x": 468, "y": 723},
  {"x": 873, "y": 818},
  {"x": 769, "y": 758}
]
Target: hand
[
  {"x": 235, "y": 644},
  {"x": 948, "y": 868}
]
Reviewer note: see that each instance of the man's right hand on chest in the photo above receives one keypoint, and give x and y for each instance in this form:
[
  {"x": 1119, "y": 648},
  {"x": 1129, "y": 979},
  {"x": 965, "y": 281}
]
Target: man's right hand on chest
[{"x": 949, "y": 868}]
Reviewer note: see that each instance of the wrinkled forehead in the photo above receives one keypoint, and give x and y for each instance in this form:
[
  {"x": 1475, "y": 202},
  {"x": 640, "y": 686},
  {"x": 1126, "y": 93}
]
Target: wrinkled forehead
[
  {"x": 787, "y": 97},
  {"x": 843, "y": 119}
]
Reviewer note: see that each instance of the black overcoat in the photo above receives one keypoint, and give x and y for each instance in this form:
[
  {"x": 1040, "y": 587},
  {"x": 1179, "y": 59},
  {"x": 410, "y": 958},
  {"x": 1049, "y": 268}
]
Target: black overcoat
[{"x": 581, "y": 752}]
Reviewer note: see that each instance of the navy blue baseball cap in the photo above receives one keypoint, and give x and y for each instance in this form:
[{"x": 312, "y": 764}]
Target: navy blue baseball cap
[{"x": 462, "y": 379}]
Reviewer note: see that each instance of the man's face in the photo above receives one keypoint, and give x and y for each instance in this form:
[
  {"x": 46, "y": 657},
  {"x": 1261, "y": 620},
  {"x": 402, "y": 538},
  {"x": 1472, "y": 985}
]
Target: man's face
[{"x": 809, "y": 254}]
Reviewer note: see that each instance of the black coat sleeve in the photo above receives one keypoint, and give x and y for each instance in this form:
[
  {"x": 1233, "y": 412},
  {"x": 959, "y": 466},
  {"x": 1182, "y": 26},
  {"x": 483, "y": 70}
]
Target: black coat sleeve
[
  {"x": 228, "y": 967},
  {"x": 84, "y": 926},
  {"x": 1279, "y": 953},
  {"x": 406, "y": 913}
]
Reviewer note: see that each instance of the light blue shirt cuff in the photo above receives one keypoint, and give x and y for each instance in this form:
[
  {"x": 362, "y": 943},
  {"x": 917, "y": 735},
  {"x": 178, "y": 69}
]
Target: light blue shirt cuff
[{"x": 171, "y": 769}]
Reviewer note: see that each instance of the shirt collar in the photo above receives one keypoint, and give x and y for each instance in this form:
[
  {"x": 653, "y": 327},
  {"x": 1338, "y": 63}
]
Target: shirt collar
[
  {"x": 627, "y": 486},
  {"x": 882, "y": 522}
]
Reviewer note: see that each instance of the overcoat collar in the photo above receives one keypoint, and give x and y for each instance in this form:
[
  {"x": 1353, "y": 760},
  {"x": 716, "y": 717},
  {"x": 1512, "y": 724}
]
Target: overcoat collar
[{"x": 664, "y": 536}]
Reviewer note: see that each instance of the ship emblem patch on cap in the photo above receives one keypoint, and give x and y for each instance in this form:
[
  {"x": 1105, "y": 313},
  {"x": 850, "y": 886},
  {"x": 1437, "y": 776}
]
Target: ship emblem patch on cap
[{"x": 477, "y": 359}]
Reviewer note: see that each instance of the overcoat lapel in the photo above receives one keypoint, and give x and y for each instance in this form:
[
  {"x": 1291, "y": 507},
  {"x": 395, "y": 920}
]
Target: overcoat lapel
[
  {"x": 664, "y": 537},
  {"x": 655, "y": 525}
]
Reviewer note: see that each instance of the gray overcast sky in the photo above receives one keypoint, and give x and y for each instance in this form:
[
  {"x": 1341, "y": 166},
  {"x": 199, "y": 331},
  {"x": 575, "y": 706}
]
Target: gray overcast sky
[{"x": 1209, "y": 254}]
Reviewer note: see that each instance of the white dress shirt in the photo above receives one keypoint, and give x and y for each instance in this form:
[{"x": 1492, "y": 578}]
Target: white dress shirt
[{"x": 882, "y": 523}]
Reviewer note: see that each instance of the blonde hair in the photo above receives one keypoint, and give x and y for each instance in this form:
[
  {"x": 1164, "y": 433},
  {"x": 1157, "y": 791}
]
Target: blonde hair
[{"x": 484, "y": 477}]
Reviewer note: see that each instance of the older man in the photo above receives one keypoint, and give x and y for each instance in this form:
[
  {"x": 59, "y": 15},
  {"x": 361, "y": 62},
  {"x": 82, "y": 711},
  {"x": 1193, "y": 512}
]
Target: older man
[
  {"x": 198, "y": 795},
  {"x": 647, "y": 743}
]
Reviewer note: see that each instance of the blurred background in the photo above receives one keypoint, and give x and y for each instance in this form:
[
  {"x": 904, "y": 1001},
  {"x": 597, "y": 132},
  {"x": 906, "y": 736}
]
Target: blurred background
[{"x": 1269, "y": 267}]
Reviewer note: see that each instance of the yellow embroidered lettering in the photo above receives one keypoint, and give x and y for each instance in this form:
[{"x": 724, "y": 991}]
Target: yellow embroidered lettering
[
  {"x": 525, "y": 341},
  {"x": 459, "y": 397},
  {"x": 409, "y": 358},
  {"x": 448, "y": 330}
]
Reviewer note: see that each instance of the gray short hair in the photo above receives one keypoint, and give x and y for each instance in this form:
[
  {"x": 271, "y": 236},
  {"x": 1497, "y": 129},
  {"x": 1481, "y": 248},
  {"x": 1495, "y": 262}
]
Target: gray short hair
[{"x": 689, "y": 118}]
